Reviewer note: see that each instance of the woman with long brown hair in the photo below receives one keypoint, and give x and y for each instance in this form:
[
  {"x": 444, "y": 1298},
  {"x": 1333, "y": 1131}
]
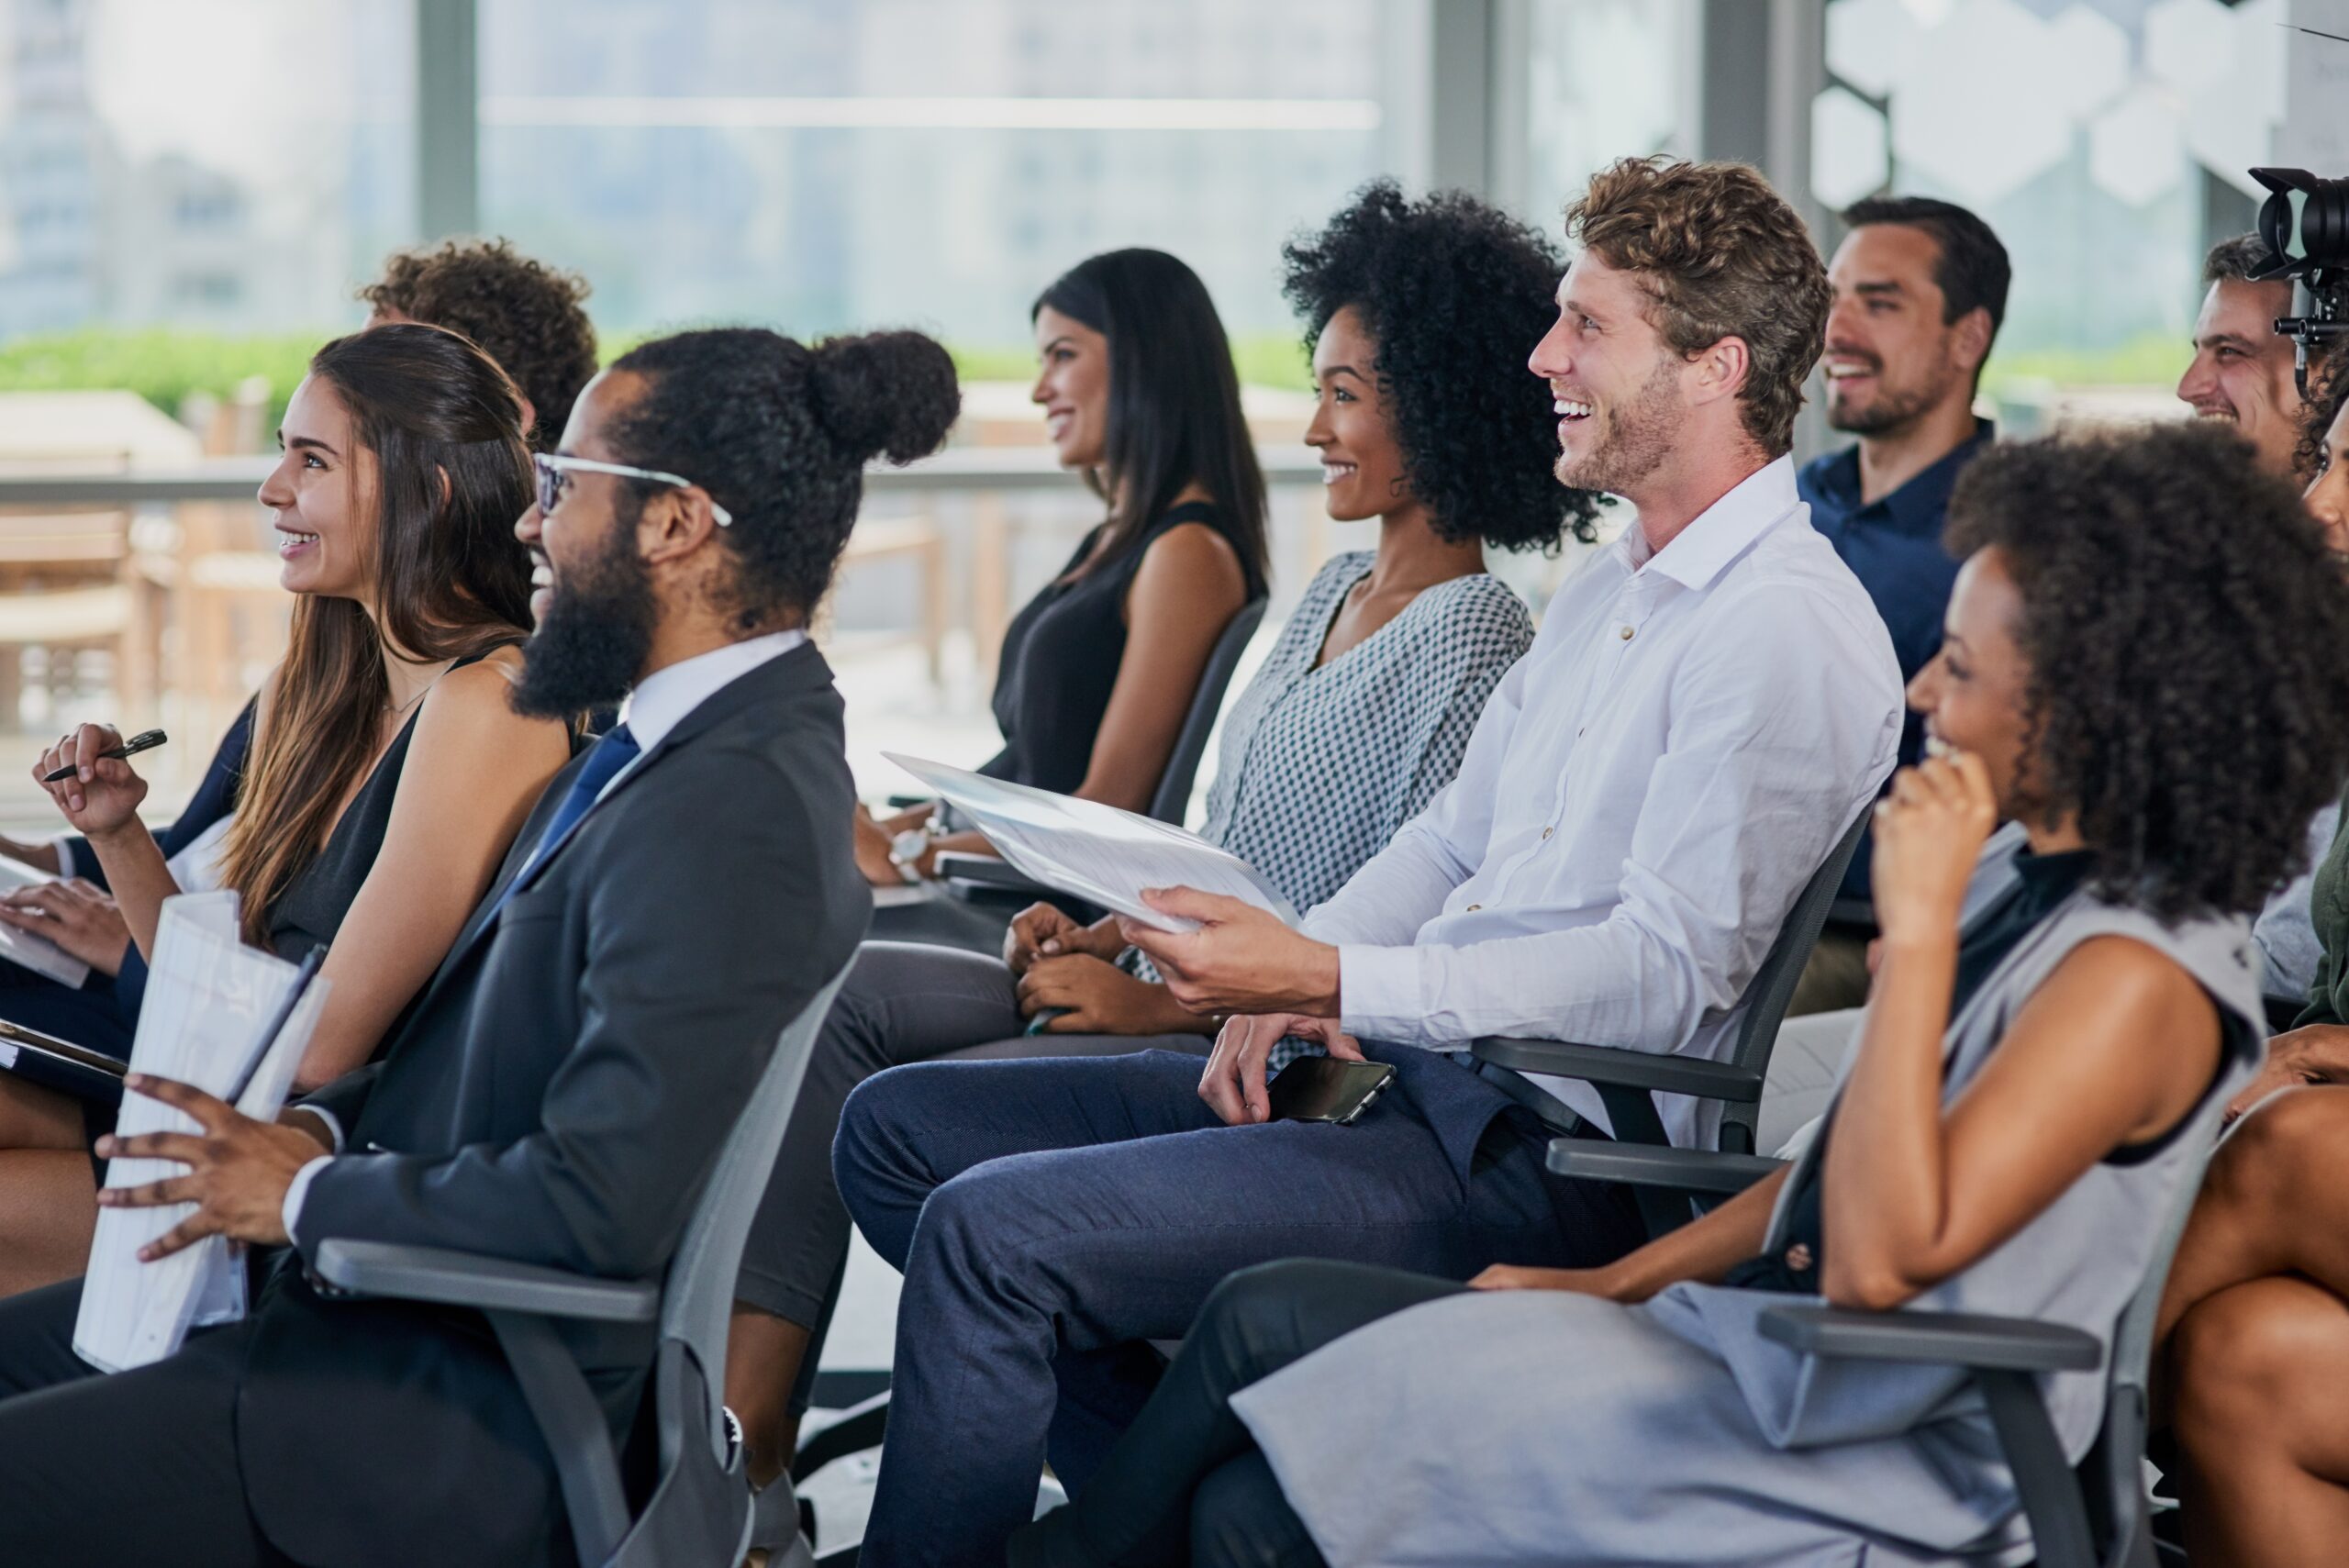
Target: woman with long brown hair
[{"x": 388, "y": 775}]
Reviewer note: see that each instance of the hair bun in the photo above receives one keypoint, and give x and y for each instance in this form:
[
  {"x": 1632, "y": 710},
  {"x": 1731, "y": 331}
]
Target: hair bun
[{"x": 888, "y": 395}]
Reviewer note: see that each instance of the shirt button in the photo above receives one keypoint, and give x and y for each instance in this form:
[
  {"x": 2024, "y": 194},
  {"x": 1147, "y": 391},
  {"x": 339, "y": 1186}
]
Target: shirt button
[
  {"x": 1474, "y": 907},
  {"x": 1545, "y": 832},
  {"x": 1626, "y": 634}
]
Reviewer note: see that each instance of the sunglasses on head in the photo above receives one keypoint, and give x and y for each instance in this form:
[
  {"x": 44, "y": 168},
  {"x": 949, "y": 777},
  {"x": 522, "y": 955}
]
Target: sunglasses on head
[{"x": 551, "y": 470}]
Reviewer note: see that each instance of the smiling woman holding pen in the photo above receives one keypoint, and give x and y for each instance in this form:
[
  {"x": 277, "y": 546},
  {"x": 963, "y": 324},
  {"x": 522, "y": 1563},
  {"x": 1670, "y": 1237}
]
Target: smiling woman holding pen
[{"x": 387, "y": 775}]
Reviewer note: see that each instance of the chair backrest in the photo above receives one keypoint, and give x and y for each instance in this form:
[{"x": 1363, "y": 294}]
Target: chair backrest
[
  {"x": 699, "y": 1511},
  {"x": 1172, "y": 799},
  {"x": 2111, "y": 1475},
  {"x": 697, "y": 1297},
  {"x": 1773, "y": 985}
]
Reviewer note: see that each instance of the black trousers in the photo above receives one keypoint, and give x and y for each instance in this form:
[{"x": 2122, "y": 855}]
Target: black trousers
[
  {"x": 1186, "y": 1485},
  {"x": 135, "y": 1467}
]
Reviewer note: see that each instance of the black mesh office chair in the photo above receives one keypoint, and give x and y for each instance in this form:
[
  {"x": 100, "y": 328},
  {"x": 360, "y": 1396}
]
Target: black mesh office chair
[
  {"x": 698, "y": 1513},
  {"x": 1628, "y": 1081}
]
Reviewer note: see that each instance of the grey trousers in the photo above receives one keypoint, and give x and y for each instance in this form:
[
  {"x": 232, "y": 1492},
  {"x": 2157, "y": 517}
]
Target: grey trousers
[{"x": 901, "y": 1003}]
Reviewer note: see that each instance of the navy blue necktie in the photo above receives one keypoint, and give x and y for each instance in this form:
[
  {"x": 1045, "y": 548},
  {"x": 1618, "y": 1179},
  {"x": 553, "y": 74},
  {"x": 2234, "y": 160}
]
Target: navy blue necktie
[{"x": 615, "y": 751}]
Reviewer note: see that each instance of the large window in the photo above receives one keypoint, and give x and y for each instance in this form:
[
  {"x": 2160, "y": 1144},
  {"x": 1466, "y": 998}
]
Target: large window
[
  {"x": 231, "y": 164},
  {"x": 818, "y": 164}
]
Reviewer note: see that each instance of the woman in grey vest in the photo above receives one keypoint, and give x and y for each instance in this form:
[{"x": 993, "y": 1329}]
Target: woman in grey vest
[{"x": 2142, "y": 629}]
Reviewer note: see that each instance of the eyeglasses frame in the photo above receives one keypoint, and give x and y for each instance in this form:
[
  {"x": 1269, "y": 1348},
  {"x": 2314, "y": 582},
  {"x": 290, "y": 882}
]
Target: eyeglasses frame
[{"x": 551, "y": 465}]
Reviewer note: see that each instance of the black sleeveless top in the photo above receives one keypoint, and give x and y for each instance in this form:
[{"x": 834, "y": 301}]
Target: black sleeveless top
[
  {"x": 1061, "y": 655},
  {"x": 310, "y": 911}
]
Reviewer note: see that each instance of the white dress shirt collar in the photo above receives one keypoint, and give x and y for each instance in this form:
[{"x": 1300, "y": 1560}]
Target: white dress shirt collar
[
  {"x": 1721, "y": 532},
  {"x": 664, "y": 698}
]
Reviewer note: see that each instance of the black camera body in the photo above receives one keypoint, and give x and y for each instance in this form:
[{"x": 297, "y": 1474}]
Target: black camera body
[{"x": 2304, "y": 224}]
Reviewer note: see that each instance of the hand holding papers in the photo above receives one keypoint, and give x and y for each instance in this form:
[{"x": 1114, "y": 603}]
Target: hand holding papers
[
  {"x": 1217, "y": 931},
  {"x": 1097, "y": 852},
  {"x": 232, "y": 1023}
]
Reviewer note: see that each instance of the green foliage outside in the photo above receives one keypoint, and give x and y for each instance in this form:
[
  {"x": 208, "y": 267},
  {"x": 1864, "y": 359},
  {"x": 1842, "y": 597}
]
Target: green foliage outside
[
  {"x": 165, "y": 364},
  {"x": 161, "y": 364}
]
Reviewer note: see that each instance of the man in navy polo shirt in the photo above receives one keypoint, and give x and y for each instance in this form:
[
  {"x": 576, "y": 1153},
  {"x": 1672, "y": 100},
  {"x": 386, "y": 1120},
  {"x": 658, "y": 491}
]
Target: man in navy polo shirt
[{"x": 1921, "y": 287}]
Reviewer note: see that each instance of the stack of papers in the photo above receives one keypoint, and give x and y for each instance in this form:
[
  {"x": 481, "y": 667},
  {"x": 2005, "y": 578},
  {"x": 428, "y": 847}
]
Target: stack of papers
[
  {"x": 210, "y": 1007},
  {"x": 1097, "y": 852},
  {"x": 36, "y": 953}
]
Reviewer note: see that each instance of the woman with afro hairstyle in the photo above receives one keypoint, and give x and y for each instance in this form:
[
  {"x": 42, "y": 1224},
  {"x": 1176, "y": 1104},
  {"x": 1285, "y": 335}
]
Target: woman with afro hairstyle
[
  {"x": 2034, "y": 1087},
  {"x": 2255, "y": 1320},
  {"x": 1419, "y": 316}
]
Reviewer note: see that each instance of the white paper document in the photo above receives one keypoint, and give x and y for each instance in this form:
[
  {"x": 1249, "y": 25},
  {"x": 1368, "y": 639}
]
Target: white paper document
[
  {"x": 209, "y": 1002},
  {"x": 36, "y": 953},
  {"x": 1094, "y": 851}
]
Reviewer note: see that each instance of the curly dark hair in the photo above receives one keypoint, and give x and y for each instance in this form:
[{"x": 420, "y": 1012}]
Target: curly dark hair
[
  {"x": 1454, "y": 294},
  {"x": 2188, "y": 639},
  {"x": 2327, "y": 395},
  {"x": 527, "y": 317},
  {"x": 779, "y": 434}
]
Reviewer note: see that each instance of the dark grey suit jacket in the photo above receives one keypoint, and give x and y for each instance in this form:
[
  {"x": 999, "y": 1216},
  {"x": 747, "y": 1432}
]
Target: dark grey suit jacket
[{"x": 558, "y": 1096}]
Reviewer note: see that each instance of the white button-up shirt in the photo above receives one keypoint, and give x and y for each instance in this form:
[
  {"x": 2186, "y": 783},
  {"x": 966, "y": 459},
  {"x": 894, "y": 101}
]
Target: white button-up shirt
[{"x": 1642, "y": 802}]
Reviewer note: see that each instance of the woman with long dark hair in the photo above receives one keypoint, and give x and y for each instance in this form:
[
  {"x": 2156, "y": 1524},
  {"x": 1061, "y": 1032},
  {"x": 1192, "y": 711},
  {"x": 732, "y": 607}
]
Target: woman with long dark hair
[
  {"x": 1099, "y": 670},
  {"x": 387, "y": 776}
]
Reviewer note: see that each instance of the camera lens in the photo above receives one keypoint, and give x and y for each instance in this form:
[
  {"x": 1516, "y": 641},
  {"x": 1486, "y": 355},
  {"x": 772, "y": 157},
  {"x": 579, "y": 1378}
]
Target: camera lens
[{"x": 2306, "y": 221}]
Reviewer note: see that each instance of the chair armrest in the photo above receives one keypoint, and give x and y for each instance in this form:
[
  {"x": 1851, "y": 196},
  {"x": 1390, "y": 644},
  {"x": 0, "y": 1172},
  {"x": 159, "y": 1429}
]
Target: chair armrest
[
  {"x": 1623, "y": 1067},
  {"x": 1969, "y": 1340},
  {"x": 907, "y": 801},
  {"x": 1852, "y": 912},
  {"x": 985, "y": 870},
  {"x": 469, "y": 1279},
  {"x": 1638, "y": 1165}
]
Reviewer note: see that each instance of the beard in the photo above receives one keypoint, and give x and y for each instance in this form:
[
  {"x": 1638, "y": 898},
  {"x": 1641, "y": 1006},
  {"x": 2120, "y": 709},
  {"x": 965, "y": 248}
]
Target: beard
[
  {"x": 1892, "y": 407},
  {"x": 594, "y": 637},
  {"x": 1638, "y": 438}
]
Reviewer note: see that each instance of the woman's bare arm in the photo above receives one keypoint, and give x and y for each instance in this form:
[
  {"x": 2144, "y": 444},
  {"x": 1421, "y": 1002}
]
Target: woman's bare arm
[
  {"x": 1699, "y": 1253},
  {"x": 2114, "y": 1048},
  {"x": 473, "y": 771},
  {"x": 1187, "y": 589}
]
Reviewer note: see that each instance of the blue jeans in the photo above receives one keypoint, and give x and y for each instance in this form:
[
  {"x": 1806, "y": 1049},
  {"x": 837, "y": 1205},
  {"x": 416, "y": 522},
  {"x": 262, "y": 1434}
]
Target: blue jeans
[{"x": 1051, "y": 1216}]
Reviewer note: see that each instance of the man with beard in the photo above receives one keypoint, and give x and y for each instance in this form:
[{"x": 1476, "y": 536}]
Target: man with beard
[
  {"x": 1708, "y": 706},
  {"x": 1921, "y": 289},
  {"x": 2242, "y": 373},
  {"x": 560, "y": 1092}
]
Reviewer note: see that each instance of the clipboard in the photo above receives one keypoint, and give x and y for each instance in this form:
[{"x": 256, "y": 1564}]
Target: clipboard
[{"x": 60, "y": 1064}]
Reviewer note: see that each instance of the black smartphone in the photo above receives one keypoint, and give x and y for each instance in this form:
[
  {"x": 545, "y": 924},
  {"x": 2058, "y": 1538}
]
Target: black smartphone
[{"x": 1325, "y": 1088}]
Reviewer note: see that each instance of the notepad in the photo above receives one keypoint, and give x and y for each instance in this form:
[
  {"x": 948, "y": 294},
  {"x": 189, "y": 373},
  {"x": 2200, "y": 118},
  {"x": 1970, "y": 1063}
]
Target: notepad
[
  {"x": 210, "y": 1008},
  {"x": 1094, "y": 851},
  {"x": 36, "y": 954}
]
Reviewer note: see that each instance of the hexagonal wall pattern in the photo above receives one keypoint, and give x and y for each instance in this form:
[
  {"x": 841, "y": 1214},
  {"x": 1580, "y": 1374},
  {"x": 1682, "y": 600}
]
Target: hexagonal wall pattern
[
  {"x": 2135, "y": 150},
  {"x": 2094, "y": 53},
  {"x": 1848, "y": 148},
  {"x": 2190, "y": 44},
  {"x": 1871, "y": 43},
  {"x": 1981, "y": 148}
]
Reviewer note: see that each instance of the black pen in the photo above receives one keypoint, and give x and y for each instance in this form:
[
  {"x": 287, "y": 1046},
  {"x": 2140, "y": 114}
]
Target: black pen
[
  {"x": 145, "y": 741},
  {"x": 275, "y": 1025}
]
